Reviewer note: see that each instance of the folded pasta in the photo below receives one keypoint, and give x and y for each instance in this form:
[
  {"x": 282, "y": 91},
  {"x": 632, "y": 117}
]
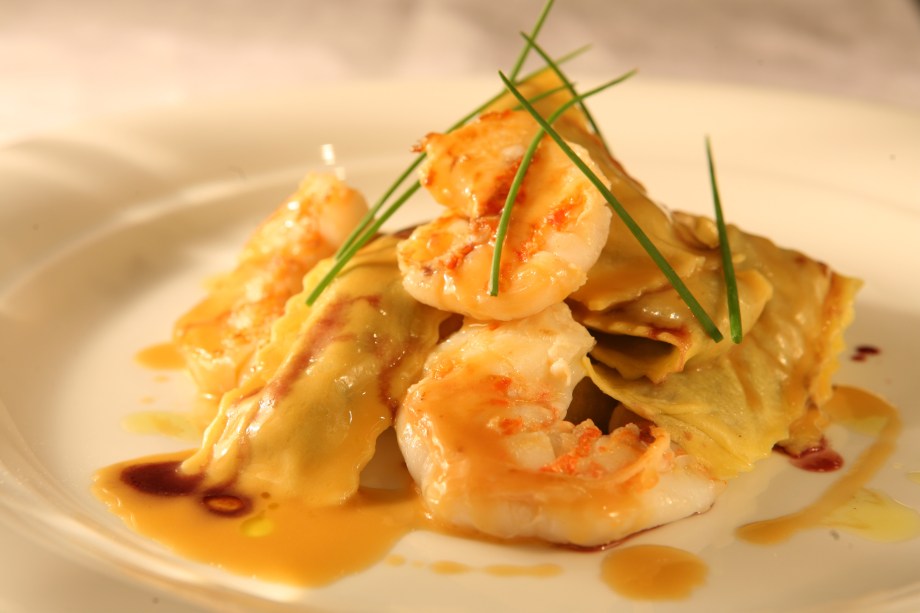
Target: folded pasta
[
  {"x": 560, "y": 389},
  {"x": 730, "y": 404},
  {"x": 323, "y": 387}
]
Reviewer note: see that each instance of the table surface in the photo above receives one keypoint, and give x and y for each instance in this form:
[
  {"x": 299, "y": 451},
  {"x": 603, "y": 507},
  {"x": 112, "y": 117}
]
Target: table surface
[{"x": 64, "y": 62}]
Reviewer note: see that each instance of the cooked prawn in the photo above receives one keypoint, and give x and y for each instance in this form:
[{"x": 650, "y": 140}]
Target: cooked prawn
[
  {"x": 220, "y": 334},
  {"x": 485, "y": 438},
  {"x": 558, "y": 226}
]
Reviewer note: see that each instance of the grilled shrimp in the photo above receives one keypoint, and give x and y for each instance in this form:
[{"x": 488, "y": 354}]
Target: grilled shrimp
[
  {"x": 484, "y": 436},
  {"x": 219, "y": 335},
  {"x": 558, "y": 226}
]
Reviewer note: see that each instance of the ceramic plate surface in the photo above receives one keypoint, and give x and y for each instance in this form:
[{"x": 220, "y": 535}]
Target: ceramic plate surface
[{"x": 108, "y": 230}]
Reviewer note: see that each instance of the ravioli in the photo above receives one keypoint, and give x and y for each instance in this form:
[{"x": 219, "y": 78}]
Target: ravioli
[
  {"x": 729, "y": 405},
  {"x": 311, "y": 388},
  {"x": 219, "y": 336},
  {"x": 329, "y": 381},
  {"x": 726, "y": 404}
]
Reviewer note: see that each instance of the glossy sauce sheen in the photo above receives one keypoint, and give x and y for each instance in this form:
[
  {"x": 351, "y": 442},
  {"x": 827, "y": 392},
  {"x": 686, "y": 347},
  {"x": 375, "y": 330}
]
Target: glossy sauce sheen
[
  {"x": 293, "y": 543},
  {"x": 653, "y": 572},
  {"x": 285, "y": 542},
  {"x": 847, "y": 406},
  {"x": 819, "y": 459},
  {"x": 876, "y": 516},
  {"x": 163, "y": 356}
]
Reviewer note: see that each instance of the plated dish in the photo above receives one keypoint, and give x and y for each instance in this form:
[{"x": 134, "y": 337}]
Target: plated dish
[{"x": 147, "y": 165}]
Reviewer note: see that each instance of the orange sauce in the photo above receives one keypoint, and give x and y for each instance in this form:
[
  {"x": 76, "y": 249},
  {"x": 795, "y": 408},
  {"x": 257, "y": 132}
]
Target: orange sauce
[
  {"x": 284, "y": 541},
  {"x": 162, "y": 356},
  {"x": 653, "y": 572},
  {"x": 865, "y": 412},
  {"x": 876, "y": 516},
  {"x": 448, "y": 567},
  {"x": 395, "y": 560},
  {"x": 291, "y": 542},
  {"x": 513, "y": 570}
]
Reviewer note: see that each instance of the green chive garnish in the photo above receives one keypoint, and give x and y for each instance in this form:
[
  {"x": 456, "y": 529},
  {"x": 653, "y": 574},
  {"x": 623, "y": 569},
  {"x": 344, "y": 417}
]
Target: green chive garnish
[
  {"x": 682, "y": 290},
  {"x": 371, "y": 214},
  {"x": 505, "y": 219},
  {"x": 531, "y": 42},
  {"x": 519, "y": 64},
  {"x": 359, "y": 242},
  {"x": 728, "y": 267},
  {"x": 370, "y": 224}
]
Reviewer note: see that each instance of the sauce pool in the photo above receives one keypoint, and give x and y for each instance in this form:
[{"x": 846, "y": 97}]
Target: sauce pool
[
  {"x": 849, "y": 406},
  {"x": 162, "y": 356},
  {"x": 291, "y": 542},
  {"x": 653, "y": 572},
  {"x": 876, "y": 516},
  {"x": 818, "y": 459},
  {"x": 284, "y": 541}
]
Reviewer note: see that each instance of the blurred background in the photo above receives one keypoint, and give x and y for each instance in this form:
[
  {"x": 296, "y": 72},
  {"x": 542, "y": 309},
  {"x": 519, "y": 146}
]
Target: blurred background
[
  {"x": 63, "y": 61},
  {"x": 66, "y": 61}
]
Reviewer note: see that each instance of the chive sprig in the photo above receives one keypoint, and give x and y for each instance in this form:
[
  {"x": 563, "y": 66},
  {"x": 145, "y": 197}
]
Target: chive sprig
[
  {"x": 670, "y": 274},
  {"x": 505, "y": 219},
  {"x": 374, "y": 220},
  {"x": 554, "y": 66},
  {"x": 728, "y": 267}
]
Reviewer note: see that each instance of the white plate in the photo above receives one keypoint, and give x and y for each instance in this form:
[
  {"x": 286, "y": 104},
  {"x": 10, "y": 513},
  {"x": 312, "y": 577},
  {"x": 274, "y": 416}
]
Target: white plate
[{"x": 107, "y": 230}]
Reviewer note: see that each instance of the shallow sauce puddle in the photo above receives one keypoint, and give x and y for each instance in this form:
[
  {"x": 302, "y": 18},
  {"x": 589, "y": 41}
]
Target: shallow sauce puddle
[
  {"x": 855, "y": 408},
  {"x": 285, "y": 542},
  {"x": 289, "y": 542},
  {"x": 653, "y": 572}
]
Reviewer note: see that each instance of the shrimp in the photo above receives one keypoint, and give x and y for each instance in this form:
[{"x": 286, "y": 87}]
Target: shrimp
[
  {"x": 218, "y": 336},
  {"x": 558, "y": 225},
  {"x": 484, "y": 435}
]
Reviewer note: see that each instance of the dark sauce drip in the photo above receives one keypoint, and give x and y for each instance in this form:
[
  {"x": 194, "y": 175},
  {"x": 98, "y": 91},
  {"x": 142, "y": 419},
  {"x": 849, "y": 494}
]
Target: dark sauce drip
[
  {"x": 864, "y": 351},
  {"x": 166, "y": 479},
  {"x": 817, "y": 459},
  {"x": 226, "y": 504},
  {"x": 160, "y": 479}
]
